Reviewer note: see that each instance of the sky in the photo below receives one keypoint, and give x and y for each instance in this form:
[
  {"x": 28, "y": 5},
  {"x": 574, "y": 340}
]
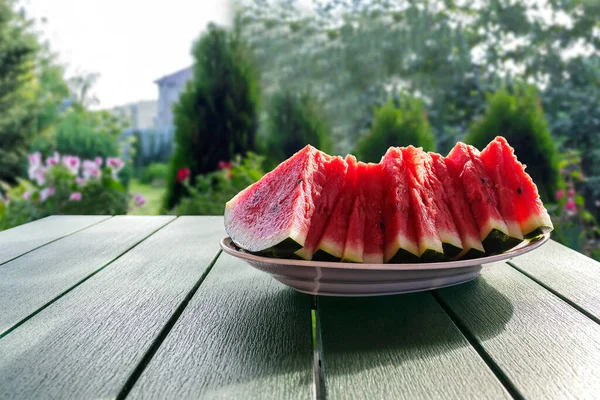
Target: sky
[{"x": 130, "y": 43}]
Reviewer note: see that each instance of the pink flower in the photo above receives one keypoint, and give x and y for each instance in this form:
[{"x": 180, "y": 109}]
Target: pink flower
[
  {"x": 571, "y": 192},
  {"x": 45, "y": 193},
  {"x": 559, "y": 194},
  {"x": 35, "y": 160},
  {"x": 72, "y": 164},
  {"x": 80, "y": 181},
  {"x": 39, "y": 175},
  {"x": 140, "y": 201},
  {"x": 51, "y": 191},
  {"x": 225, "y": 165},
  {"x": 53, "y": 160},
  {"x": 26, "y": 195},
  {"x": 75, "y": 196},
  {"x": 98, "y": 161},
  {"x": 570, "y": 206},
  {"x": 115, "y": 164},
  {"x": 91, "y": 169}
]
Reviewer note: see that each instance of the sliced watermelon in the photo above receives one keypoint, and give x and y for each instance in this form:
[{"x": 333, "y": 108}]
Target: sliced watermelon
[
  {"x": 459, "y": 207},
  {"x": 400, "y": 243},
  {"x": 273, "y": 215},
  {"x": 354, "y": 247},
  {"x": 374, "y": 224},
  {"x": 516, "y": 189},
  {"x": 428, "y": 238},
  {"x": 331, "y": 245},
  {"x": 479, "y": 190},
  {"x": 335, "y": 172}
]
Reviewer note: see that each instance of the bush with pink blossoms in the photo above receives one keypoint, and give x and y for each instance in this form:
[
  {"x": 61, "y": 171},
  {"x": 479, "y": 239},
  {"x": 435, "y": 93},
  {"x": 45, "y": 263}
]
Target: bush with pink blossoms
[
  {"x": 574, "y": 225},
  {"x": 66, "y": 185}
]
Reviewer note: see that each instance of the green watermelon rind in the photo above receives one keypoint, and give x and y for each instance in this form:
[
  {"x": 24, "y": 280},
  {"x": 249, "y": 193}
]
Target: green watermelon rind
[
  {"x": 537, "y": 225},
  {"x": 497, "y": 242},
  {"x": 329, "y": 251},
  {"x": 405, "y": 250},
  {"x": 285, "y": 248}
]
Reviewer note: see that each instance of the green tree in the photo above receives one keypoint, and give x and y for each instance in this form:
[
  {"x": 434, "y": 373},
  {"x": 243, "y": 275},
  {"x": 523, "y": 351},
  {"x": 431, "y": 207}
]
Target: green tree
[
  {"x": 396, "y": 126},
  {"x": 18, "y": 49},
  {"x": 518, "y": 116},
  {"x": 216, "y": 116},
  {"x": 76, "y": 135},
  {"x": 294, "y": 121}
]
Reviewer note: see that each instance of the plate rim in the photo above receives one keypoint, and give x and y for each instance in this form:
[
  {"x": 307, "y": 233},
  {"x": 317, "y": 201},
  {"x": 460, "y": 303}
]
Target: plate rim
[{"x": 527, "y": 246}]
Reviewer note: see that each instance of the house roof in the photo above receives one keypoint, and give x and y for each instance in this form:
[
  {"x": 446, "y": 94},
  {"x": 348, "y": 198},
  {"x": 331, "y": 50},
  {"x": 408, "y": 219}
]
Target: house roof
[{"x": 183, "y": 74}]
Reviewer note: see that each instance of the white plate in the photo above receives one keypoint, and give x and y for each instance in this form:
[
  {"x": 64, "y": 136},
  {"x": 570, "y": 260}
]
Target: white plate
[{"x": 348, "y": 279}]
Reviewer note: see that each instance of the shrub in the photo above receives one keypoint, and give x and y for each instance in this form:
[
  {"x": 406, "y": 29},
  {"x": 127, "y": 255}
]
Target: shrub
[
  {"x": 396, "y": 126},
  {"x": 520, "y": 119},
  {"x": 216, "y": 116},
  {"x": 156, "y": 172},
  {"x": 211, "y": 191},
  {"x": 66, "y": 186},
  {"x": 76, "y": 135},
  {"x": 294, "y": 121}
]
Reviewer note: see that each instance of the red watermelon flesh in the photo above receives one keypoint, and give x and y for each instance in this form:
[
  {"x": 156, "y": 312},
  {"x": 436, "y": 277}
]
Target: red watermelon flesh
[
  {"x": 331, "y": 245},
  {"x": 335, "y": 172},
  {"x": 459, "y": 208},
  {"x": 422, "y": 203},
  {"x": 516, "y": 189},
  {"x": 274, "y": 214},
  {"x": 354, "y": 246},
  {"x": 400, "y": 244},
  {"x": 372, "y": 187},
  {"x": 479, "y": 190}
]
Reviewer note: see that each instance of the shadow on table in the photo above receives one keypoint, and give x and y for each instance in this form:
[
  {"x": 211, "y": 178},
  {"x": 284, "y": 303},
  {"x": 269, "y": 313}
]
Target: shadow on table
[{"x": 363, "y": 333}]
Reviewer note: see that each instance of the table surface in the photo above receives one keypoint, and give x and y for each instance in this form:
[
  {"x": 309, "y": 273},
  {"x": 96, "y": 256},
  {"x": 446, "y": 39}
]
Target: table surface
[{"x": 149, "y": 307}]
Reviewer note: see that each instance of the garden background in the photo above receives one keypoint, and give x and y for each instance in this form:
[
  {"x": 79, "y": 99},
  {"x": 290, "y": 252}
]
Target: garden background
[{"x": 344, "y": 75}]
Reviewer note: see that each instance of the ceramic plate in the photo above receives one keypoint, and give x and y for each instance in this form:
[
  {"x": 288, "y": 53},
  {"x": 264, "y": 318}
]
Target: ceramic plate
[{"x": 348, "y": 279}]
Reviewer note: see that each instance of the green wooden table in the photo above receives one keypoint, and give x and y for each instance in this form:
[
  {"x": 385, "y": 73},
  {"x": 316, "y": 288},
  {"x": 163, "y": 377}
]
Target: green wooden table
[{"x": 148, "y": 307}]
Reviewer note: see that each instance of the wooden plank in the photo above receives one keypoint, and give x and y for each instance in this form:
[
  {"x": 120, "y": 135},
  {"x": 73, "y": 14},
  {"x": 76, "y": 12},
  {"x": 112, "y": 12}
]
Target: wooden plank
[
  {"x": 544, "y": 347},
  {"x": 24, "y": 238},
  {"x": 87, "y": 343},
  {"x": 243, "y": 335},
  {"x": 567, "y": 272},
  {"x": 31, "y": 281},
  {"x": 399, "y": 347}
]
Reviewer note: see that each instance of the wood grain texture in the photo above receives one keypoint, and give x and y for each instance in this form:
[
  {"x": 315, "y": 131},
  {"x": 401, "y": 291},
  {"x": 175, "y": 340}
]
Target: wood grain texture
[
  {"x": 547, "y": 349},
  {"x": 400, "y": 347},
  {"x": 569, "y": 273},
  {"x": 21, "y": 239},
  {"x": 87, "y": 343},
  {"x": 30, "y": 282},
  {"x": 243, "y": 335}
]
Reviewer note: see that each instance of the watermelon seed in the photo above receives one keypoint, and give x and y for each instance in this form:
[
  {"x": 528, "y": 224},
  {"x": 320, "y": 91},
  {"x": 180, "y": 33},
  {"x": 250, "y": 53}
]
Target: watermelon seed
[
  {"x": 381, "y": 225},
  {"x": 518, "y": 190},
  {"x": 482, "y": 180},
  {"x": 299, "y": 181}
]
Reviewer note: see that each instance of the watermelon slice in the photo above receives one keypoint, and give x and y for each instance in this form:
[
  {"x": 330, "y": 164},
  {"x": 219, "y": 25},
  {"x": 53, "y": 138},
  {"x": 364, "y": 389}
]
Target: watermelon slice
[
  {"x": 274, "y": 214},
  {"x": 460, "y": 210},
  {"x": 400, "y": 237},
  {"x": 422, "y": 202},
  {"x": 516, "y": 189},
  {"x": 354, "y": 246},
  {"x": 372, "y": 187},
  {"x": 331, "y": 245},
  {"x": 335, "y": 171},
  {"x": 479, "y": 190}
]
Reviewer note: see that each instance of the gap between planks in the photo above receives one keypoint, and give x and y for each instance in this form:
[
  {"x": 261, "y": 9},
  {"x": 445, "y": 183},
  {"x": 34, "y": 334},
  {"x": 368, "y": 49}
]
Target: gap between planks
[
  {"x": 51, "y": 301},
  {"x": 317, "y": 345},
  {"x": 555, "y": 293},
  {"x": 164, "y": 332},
  {"x": 52, "y": 241},
  {"x": 496, "y": 370}
]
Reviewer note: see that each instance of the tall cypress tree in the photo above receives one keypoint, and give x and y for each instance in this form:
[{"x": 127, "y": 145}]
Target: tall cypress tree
[
  {"x": 216, "y": 116},
  {"x": 18, "y": 49}
]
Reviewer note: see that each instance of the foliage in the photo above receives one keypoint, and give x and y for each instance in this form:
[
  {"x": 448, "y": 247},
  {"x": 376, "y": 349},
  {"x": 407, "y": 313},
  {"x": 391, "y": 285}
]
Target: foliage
[
  {"x": 574, "y": 226},
  {"x": 75, "y": 134},
  {"x": 65, "y": 185},
  {"x": 216, "y": 117},
  {"x": 294, "y": 122},
  {"x": 18, "y": 51},
  {"x": 394, "y": 125},
  {"x": 211, "y": 191},
  {"x": 520, "y": 119},
  {"x": 151, "y": 147},
  {"x": 156, "y": 172}
]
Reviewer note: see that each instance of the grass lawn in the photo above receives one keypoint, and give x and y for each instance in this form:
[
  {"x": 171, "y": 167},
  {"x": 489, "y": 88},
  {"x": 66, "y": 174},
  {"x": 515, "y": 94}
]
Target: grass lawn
[{"x": 153, "y": 195}]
